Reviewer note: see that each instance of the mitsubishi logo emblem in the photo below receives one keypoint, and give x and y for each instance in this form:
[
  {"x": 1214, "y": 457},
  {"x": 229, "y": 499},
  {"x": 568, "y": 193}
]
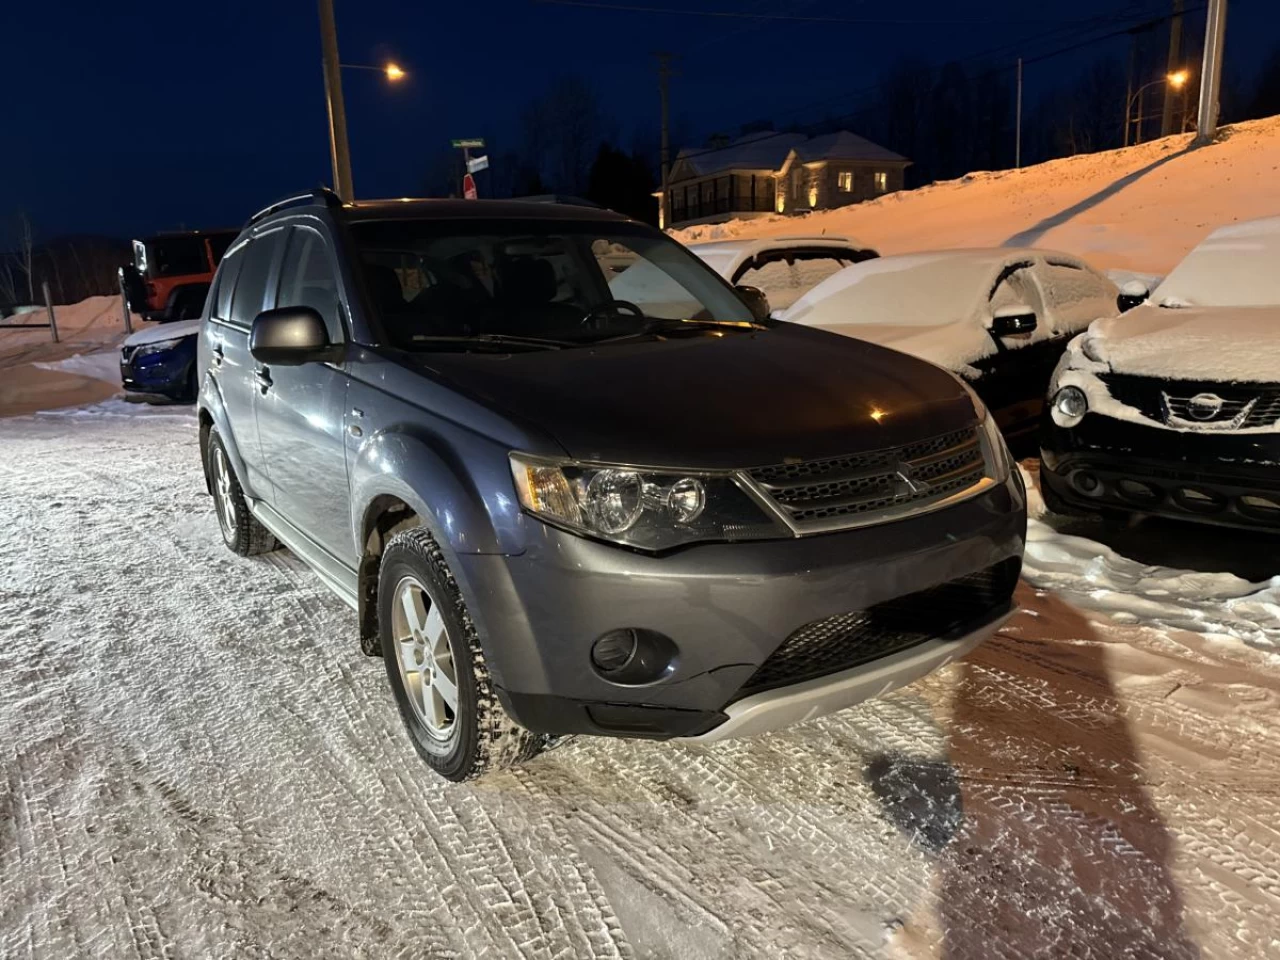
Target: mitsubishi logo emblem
[{"x": 908, "y": 485}]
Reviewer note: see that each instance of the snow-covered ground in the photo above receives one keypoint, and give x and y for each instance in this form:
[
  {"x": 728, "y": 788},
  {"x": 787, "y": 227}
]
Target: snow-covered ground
[
  {"x": 1141, "y": 208},
  {"x": 198, "y": 762}
]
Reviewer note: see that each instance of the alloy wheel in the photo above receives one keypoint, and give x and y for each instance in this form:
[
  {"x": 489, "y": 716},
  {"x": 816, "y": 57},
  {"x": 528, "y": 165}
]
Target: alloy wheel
[{"x": 424, "y": 654}]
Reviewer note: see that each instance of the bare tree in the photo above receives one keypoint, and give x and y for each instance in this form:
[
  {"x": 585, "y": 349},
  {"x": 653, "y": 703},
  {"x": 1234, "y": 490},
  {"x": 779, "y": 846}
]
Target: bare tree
[
  {"x": 562, "y": 131},
  {"x": 26, "y": 253}
]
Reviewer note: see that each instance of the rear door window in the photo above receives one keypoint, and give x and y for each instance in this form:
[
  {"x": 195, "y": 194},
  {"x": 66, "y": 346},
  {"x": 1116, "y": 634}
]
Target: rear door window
[
  {"x": 251, "y": 283},
  {"x": 307, "y": 279},
  {"x": 785, "y": 278}
]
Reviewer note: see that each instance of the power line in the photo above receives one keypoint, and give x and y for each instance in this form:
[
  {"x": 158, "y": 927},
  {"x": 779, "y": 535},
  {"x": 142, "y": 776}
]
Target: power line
[{"x": 862, "y": 21}]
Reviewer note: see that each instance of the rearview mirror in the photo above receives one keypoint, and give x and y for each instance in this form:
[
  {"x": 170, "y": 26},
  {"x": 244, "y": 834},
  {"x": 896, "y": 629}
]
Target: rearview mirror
[
  {"x": 1017, "y": 320},
  {"x": 289, "y": 336},
  {"x": 1132, "y": 293},
  {"x": 756, "y": 302}
]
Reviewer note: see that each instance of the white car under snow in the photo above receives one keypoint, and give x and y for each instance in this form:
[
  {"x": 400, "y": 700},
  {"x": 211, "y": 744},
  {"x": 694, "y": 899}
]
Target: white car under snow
[
  {"x": 783, "y": 268},
  {"x": 998, "y": 317},
  {"x": 1175, "y": 409}
]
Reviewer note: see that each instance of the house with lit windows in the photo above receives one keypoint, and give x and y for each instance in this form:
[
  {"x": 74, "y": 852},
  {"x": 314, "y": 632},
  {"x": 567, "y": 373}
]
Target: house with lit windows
[{"x": 789, "y": 173}]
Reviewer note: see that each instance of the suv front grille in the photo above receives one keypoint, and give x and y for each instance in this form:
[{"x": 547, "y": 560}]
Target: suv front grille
[
  {"x": 848, "y": 491},
  {"x": 849, "y": 639},
  {"x": 1170, "y": 401}
]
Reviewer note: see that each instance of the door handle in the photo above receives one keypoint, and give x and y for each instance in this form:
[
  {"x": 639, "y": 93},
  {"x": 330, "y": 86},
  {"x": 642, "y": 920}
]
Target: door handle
[
  {"x": 263, "y": 376},
  {"x": 216, "y": 350}
]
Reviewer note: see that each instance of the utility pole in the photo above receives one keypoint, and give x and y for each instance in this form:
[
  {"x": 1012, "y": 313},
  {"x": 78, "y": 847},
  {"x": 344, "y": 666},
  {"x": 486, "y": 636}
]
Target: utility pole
[
  {"x": 664, "y": 77},
  {"x": 1173, "y": 64},
  {"x": 1215, "y": 30},
  {"x": 1017, "y": 146},
  {"x": 339, "y": 152},
  {"x": 1128, "y": 91}
]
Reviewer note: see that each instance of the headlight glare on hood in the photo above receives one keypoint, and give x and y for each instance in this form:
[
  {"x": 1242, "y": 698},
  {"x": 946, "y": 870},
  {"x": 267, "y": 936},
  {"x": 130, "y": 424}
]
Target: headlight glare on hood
[{"x": 650, "y": 509}]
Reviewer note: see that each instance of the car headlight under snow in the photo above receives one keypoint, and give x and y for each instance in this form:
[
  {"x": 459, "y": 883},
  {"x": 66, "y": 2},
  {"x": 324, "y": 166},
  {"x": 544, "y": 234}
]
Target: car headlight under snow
[
  {"x": 1069, "y": 406},
  {"x": 637, "y": 506}
]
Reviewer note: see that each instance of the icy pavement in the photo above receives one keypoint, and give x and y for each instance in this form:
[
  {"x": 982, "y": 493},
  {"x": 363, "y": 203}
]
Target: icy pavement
[{"x": 198, "y": 762}]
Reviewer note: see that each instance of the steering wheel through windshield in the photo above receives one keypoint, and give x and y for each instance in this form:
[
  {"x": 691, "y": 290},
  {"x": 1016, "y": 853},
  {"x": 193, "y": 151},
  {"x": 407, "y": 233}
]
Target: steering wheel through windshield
[{"x": 593, "y": 317}]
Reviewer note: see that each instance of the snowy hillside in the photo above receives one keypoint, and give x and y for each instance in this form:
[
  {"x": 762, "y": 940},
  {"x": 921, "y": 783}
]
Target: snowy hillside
[{"x": 1141, "y": 208}]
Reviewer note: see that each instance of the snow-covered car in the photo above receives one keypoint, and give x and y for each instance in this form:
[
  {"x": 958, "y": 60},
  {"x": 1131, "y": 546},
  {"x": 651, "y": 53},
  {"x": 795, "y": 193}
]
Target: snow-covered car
[
  {"x": 1000, "y": 318},
  {"x": 782, "y": 268},
  {"x": 1135, "y": 287},
  {"x": 159, "y": 363},
  {"x": 1175, "y": 411}
]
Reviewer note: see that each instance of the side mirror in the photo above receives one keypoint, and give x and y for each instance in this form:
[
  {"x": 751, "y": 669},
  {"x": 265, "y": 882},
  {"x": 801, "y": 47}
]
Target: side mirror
[
  {"x": 1132, "y": 293},
  {"x": 756, "y": 302},
  {"x": 288, "y": 336},
  {"x": 1013, "y": 321}
]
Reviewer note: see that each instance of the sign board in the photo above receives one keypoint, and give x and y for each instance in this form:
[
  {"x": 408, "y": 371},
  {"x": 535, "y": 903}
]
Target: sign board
[
  {"x": 476, "y": 164},
  {"x": 469, "y": 187},
  {"x": 475, "y": 142}
]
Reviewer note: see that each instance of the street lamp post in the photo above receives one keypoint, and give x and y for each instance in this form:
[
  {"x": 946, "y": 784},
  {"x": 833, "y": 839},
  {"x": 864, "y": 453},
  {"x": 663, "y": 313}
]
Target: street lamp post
[
  {"x": 339, "y": 149},
  {"x": 1177, "y": 80}
]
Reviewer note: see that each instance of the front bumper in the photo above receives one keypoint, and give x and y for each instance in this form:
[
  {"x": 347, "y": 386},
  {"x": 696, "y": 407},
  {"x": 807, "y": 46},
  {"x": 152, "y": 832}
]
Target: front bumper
[
  {"x": 166, "y": 373},
  {"x": 1218, "y": 478},
  {"x": 727, "y": 608}
]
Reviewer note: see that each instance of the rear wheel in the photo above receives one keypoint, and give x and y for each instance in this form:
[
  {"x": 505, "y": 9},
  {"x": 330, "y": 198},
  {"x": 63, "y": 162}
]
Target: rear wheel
[
  {"x": 241, "y": 532},
  {"x": 437, "y": 669}
]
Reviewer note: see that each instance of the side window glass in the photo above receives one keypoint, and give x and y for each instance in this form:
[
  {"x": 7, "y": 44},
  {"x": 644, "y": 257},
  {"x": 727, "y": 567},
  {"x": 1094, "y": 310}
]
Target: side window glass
[
  {"x": 307, "y": 279},
  {"x": 226, "y": 284},
  {"x": 251, "y": 284},
  {"x": 786, "y": 279}
]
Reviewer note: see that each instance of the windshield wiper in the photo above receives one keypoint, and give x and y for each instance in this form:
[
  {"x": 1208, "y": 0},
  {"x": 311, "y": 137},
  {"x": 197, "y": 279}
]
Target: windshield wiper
[
  {"x": 655, "y": 325},
  {"x": 496, "y": 339}
]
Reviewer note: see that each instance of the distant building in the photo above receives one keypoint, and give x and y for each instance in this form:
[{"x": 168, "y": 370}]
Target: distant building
[{"x": 764, "y": 173}]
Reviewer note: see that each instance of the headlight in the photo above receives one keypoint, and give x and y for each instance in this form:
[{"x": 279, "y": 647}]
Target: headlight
[
  {"x": 639, "y": 507},
  {"x": 1069, "y": 406},
  {"x": 159, "y": 347}
]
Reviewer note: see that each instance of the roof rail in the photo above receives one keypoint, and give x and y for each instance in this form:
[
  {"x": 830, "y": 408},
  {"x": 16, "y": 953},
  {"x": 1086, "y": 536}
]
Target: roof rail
[
  {"x": 319, "y": 197},
  {"x": 560, "y": 198}
]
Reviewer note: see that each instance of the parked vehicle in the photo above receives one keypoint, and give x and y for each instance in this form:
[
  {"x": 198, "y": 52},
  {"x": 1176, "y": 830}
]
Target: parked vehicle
[
  {"x": 171, "y": 272},
  {"x": 159, "y": 363},
  {"x": 561, "y": 513},
  {"x": 783, "y": 268},
  {"x": 999, "y": 318},
  {"x": 1134, "y": 287},
  {"x": 1176, "y": 410}
]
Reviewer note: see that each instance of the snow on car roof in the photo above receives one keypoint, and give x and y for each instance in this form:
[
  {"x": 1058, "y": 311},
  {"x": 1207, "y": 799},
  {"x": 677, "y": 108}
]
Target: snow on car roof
[
  {"x": 773, "y": 243},
  {"x": 1235, "y": 266}
]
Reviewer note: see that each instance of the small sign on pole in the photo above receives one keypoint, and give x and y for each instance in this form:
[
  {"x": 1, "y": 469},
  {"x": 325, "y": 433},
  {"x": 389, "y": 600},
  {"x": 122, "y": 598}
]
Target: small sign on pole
[
  {"x": 473, "y": 143},
  {"x": 476, "y": 164},
  {"x": 469, "y": 187}
]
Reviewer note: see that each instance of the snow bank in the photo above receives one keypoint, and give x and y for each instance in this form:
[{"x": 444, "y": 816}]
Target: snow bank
[
  {"x": 1141, "y": 208},
  {"x": 100, "y": 366}
]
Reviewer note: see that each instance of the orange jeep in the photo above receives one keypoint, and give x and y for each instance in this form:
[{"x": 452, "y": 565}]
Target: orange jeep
[{"x": 171, "y": 273}]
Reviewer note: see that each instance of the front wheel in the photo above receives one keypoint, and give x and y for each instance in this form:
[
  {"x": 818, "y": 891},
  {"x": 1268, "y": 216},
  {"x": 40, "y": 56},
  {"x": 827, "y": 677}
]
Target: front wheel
[{"x": 437, "y": 669}]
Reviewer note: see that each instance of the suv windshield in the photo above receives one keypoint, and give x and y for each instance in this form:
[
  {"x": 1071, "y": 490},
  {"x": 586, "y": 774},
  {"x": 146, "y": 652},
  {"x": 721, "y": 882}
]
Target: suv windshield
[{"x": 436, "y": 284}]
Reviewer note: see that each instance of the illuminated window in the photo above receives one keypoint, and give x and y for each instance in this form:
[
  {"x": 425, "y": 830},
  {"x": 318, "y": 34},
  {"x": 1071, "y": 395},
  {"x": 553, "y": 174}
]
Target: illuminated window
[
  {"x": 845, "y": 181},
  {"x": 813, "y": 194},
  {"x": 882, "y": 182}
]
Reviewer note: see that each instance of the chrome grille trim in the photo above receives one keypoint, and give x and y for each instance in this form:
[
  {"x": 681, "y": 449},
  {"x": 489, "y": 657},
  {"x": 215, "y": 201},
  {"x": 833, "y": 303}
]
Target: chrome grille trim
[{"x": 842, "y": 493}]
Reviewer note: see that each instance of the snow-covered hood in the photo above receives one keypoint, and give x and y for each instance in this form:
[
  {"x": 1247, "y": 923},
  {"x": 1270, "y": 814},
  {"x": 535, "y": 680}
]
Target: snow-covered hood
[
  {"x": 164, "y": 331},
  {"x": 1191, "y": 343},
  {"x": 955, "y": 345}
]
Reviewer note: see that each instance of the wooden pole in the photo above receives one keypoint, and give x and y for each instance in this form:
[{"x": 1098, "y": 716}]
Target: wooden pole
[{"x": 48, "y": 305}]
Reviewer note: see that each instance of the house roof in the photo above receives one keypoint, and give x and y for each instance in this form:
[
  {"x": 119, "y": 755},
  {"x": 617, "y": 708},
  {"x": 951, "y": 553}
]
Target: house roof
[
  {"x": 843, "y": 145},
  {"x": 769, "y": 151}
]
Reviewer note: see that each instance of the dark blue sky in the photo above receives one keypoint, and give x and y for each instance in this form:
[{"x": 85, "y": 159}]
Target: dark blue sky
[{"x": 127, "y": 117}]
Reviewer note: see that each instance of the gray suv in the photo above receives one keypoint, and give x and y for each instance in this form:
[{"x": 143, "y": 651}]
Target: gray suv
[{"x": 559, "y": 512}]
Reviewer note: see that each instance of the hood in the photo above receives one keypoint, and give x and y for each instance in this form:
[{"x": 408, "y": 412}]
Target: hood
[
  {"x": 164, "y": 331},
  {"x": 1225, "y": 344},
  {"x": 741, "y": 400}
]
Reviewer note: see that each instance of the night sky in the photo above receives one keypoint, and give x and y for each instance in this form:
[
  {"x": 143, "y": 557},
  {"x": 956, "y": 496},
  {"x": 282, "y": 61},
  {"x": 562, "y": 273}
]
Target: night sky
[{"x": 123, "y": 118}]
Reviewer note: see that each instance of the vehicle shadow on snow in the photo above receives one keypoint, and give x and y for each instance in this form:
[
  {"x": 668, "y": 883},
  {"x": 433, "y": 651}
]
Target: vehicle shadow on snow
[
  {"x": 1032, "y": 235},
  {"x": 1047, "y": 844}
]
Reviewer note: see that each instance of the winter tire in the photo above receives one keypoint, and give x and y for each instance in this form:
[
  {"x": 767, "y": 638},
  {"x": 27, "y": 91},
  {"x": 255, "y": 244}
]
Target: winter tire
[
  {"x": 437, "y": 669},
  {"x": 241, "y": 532}
]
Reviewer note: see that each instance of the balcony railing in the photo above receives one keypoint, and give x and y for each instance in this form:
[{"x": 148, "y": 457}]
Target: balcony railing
[{"x": 721, "y": 205}]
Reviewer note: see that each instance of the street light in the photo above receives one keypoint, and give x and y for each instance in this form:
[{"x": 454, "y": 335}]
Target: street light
[
  {"x": 392, "y": 71},
  {"x": 1177, "y": 80}
]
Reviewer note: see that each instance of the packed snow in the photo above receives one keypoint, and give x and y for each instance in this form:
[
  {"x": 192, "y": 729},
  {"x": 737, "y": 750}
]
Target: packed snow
[
  {"x": 198, "y": 761},
  {"x": 1235, "y": 266}
]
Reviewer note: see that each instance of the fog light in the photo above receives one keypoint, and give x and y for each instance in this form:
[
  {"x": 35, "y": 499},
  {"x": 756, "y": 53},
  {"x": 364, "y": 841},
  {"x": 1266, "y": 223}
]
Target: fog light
[
  {"x": 1261, "y": 504},
  {"x": 1137, "y": 491},
  {"x": 1087, "y": 483},
  {"x": 1069, "y": 407},
  {"x": 613, "y": 651}
]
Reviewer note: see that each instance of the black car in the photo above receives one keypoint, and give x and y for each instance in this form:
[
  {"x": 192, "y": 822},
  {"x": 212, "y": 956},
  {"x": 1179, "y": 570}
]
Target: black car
[{"x": 1175, "y": 410}]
